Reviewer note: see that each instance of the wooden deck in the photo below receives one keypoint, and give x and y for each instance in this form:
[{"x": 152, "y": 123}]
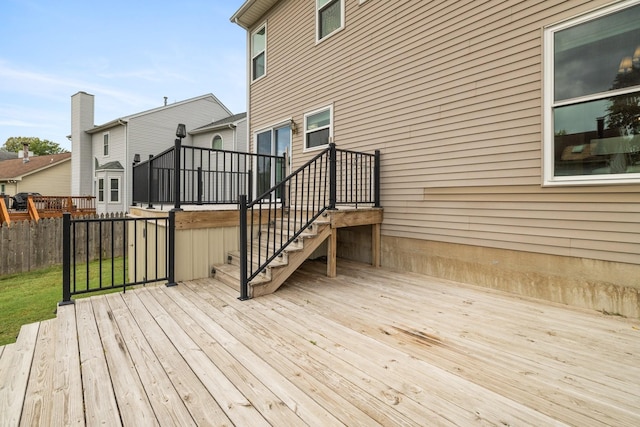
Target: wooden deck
[{"x": 369, "y": 347}]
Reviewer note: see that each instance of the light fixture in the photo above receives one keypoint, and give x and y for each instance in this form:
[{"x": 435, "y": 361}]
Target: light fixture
[
  {"x": 181, "y": 131},
  {"x": 136, "y": 159},
  {"x": 626, "y": 65},
  {"x": 294, "y": 127}
]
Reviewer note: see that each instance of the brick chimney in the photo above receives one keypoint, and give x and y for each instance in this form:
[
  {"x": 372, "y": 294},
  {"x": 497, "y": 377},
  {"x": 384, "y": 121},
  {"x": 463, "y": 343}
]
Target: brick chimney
[{"x": 25, "y": 151}]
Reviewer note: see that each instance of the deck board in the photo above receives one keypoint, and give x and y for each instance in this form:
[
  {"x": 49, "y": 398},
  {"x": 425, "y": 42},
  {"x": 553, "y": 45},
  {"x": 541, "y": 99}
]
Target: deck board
[{"x": 369, "y": 347}]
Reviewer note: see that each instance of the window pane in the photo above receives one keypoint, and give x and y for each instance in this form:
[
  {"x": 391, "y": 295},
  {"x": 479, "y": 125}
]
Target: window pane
[
  {"x": 258, "y": 42},
  {"x": 317, "y": 120},
  {"x": 598, "y": 55},
  {"x": 598, "y": 137},
  {"x": 216, "y": 144},
  {"x": 318, "y": 138},
  {"x": 258, "y": 66},
  {"x": 114, "y": 190},
  {"x": 330, "y": 18},
  {"x": 101, "y": 190}
]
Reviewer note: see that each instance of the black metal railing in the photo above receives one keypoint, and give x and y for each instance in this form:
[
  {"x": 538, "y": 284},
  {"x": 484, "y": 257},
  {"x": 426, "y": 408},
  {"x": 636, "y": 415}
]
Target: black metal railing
[
  {"x": 278, "y": 216},
  {"x": 115, "y": 252},
  {"x": 198, "y": 176}
]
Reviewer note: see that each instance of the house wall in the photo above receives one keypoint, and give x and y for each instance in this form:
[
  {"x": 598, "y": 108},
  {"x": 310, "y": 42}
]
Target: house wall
[
  {"x": 155, "y": 132},
  {"x": 52, "y": 181},
  {"x": 117, "y": 152},
  {"x": 228, "y": 138},
  {"x": 451, "y": 93}
]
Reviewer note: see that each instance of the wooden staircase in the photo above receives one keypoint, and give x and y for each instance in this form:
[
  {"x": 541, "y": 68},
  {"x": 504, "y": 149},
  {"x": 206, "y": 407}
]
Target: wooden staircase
[{"x": 279, "y": 269}]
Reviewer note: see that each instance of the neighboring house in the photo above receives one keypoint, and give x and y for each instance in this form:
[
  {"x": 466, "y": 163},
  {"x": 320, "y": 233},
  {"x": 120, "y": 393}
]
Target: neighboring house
[
  {"x": 49, "y": 175},
  {"x": 103, "y": 154},
  {"x": 7, "y": 155},
  {"x": 229, "y": 134},
  {"x": 508, "y": 131}
]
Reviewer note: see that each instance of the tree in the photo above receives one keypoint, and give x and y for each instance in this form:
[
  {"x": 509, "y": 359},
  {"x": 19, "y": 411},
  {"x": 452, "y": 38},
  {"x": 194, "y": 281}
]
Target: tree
[{"x": 39, "y": 147}]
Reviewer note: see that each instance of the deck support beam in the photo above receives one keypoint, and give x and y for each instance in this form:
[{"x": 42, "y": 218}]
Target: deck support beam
[{"x": 332, "y": 251}]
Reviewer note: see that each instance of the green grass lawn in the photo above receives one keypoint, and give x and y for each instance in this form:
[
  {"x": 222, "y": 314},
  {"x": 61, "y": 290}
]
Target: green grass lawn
[{"x": 31, "y": 297}]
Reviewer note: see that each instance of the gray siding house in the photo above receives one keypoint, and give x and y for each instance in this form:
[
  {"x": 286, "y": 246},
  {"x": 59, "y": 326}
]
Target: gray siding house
[{"x": 103, "y": 154}]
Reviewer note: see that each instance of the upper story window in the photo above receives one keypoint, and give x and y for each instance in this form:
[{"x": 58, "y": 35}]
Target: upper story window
[
  {"x": 318, "y": 128},
  {"x": 105, "y": 144},
  {"x": 592, "y": 98},
  {"x": 216, "y": 142},
  {"x": 329, "y": 17},
  {"x": 259, "y": 53},
  {"x": 101, "y": 189}
]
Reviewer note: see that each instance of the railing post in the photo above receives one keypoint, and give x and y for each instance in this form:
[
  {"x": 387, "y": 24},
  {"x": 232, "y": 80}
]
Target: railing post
[
  {"x": 333, "y": 176},
  {"x": 244, "y": 286},
  {"x": 376, "y": 180},
  {"x": 150, "y": 184},
  {"x": 66, "y": 259},
  {"x": 171, "y": 255},
  {"x": 199, "y": 186},
  {"x": 176, "y": 171}
]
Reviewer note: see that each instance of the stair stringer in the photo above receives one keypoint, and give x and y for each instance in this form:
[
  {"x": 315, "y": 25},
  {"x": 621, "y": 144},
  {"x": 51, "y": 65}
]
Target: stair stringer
[{"x": 295, "y": 259}]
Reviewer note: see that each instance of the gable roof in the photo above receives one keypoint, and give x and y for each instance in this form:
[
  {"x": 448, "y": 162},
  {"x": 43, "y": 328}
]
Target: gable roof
[
  {"x": 220, "y": 124},
  {"x": 123, "y": 120},
  {"x": 16, "y": 168},
  {"x": 251, "y": 12}
]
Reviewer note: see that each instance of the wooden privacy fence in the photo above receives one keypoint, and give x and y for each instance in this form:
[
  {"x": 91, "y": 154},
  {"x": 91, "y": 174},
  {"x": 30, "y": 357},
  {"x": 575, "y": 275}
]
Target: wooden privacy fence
[{"x": 31, "y": 245}]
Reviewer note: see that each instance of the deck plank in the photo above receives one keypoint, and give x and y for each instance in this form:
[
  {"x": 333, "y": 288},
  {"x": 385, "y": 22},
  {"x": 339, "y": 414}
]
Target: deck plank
[
  {"x": 181, "y": 331},
  {"x": 168, "y": 407},
  {"x": 99, "y": 397},
  {"x": 15, "y": 368},
  {"x": 38, "y": 404},
  {"x": 133, "y": 403},
  {"x": 202, "y": 406}
]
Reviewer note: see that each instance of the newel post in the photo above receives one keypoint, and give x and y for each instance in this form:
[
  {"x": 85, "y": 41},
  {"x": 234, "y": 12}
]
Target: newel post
[
  {"x": 176, "y": 172},
  {"x": 333, "y": 176},
  {"x": 244, "y": 285},
  {"x": 376, "y": 179},
  {"x": 171, "y": 250},
  {"x": 66, "y": 259}
]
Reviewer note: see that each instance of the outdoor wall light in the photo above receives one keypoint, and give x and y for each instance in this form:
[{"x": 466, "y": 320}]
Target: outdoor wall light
[
  {"x": 294, "y": 127},
  {"x": 136, "y": 159},
  {"x": 181, "y": 132}
]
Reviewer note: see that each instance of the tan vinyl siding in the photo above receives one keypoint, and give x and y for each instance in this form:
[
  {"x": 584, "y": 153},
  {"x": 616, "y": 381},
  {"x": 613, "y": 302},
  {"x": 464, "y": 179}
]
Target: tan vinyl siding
[
  {"x": 451, "y": 93},
  {"x": 51, "y": 181}
]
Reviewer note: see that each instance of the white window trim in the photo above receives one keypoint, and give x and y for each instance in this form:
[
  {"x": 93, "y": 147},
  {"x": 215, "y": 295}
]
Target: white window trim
[
  {"x": 304, "y": 124},
  {"x": 251, "y": 57},
  {"x": 107, "y": 134},
  {"x": 340, "y": 28},
  {"x": 109, "y": 179},
  {"x": 549, "y": 179}
]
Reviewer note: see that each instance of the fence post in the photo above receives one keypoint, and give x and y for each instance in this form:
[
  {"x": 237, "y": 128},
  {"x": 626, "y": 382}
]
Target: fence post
[
  {"x": 199, "y": 200},
  {"x": 150, "y": 183},
  {"x": 333, "y": 176},
  {"x": 176, "y": 172},
  {"x": 376, "y": 180},
  {"x": 244, "y": 294},
  {"x": 171, "y": 255},
  {"x": 66, "y": 259}
]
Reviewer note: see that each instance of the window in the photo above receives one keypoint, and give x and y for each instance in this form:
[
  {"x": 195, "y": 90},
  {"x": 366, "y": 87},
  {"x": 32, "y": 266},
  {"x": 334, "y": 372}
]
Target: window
[
  {"x": 329, "y": 17},
  {"x": 114, "y": 190},
  {"x": 259, "y": 53},
  {"x": 105, "y": 144},
  {"x": 1, "y": 188},
  {"x": 216, "y": 142},
  {"x": 101, "y": 189},
  {"x": 317, "y": 128},
  {"x": 592, "y": 98}
]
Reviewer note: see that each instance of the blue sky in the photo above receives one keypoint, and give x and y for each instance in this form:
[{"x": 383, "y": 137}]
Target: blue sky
[{"x": 129, "y": 54}]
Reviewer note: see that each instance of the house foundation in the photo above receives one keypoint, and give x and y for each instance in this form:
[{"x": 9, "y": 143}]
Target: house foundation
[{"x": 610, "y": 287}]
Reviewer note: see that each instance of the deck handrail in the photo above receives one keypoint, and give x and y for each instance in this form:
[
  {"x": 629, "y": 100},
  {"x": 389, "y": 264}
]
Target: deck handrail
[
  {"x": 332, "y": 177},
  {"x": 191, "y": 175}
]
